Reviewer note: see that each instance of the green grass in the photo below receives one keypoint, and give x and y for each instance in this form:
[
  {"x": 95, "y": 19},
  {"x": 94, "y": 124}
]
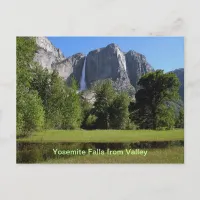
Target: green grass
[
  {"x": 166, "y": 155},
  {"x": 104, "y": 136}
]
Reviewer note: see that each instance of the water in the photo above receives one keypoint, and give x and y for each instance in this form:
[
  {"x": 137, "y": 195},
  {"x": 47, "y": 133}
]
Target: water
[
  {"x": 83, "y": 83},
  {"x": 124, "y": 63}
]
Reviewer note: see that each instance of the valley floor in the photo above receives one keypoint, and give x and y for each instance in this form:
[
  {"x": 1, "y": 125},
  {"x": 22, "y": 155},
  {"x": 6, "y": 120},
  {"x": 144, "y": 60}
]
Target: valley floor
[
  {"x": 173, "y": 155},
  {"x": 159, "y": 146},
  {"x": 104, "y": 136}
]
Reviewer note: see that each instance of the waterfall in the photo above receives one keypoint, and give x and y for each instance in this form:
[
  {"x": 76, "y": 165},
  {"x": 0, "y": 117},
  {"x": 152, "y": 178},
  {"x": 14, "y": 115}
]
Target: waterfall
[
  {"x": 125, "y": 63},
  {"x": 83, "y": 83}
]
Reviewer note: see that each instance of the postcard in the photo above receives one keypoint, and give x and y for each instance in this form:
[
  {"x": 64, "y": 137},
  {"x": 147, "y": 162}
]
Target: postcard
[{"x": 108, "y": 100}]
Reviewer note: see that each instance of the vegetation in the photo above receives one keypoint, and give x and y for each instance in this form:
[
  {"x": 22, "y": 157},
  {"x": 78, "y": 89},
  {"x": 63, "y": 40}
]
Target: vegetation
[
  {"x": 180, "y": 119},
  {"x": 104, "y": 136},
  {"x": 166, "y": 155},
  {"x": 150, "y": 109},
  {"x": 110, "y": 107},
  {"x": 44, "y": 101},
  {"x": 30, "y": 112},
  {"x": 49, "y": 110},
  {"x": 43, "y": 153},
  {"x": 43, "y": 98}
]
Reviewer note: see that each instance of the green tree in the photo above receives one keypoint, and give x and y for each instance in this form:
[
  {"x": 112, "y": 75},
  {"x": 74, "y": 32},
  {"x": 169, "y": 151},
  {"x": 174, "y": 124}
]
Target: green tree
[
  {"x": 26, "y": 48},
  {"x": 165, "y": 117},
  {"x": 119, "y": 113},
  {"x": 86, "y": 108},
  {"x": 180, "y": 119},
  {"x": 41, "y": 79},
  {"x": 30, "y": 112},
  {"x": 156, "y": 89},
  {"x": 55, "y": 104},
  {"x": 72, "y": 113},
  {"x": 25, "y": 51},
  {"x": 104, "y": 95},
  {"x": 90, "y": 122}
]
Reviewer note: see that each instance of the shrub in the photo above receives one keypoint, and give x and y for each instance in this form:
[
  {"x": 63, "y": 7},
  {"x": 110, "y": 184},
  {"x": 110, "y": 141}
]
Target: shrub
[{"x": 91, "y": 122}]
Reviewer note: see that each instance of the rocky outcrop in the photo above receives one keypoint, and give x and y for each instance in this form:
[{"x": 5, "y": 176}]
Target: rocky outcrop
[
  {"x": 70, "y": 67},
  {"x": 137, "y": 66},
  {"x": 47, "y": 54},
  {"x": 52, "y": 58},
  {"x": 107, "y": 63}
]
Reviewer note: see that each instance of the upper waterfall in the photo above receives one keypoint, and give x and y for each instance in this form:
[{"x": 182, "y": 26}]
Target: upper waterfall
[{"x": 82, "y": 82}]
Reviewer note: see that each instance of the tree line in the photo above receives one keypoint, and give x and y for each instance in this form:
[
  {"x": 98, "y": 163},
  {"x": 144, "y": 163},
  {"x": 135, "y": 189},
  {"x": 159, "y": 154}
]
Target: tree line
[{"x": 45, "y": 101}]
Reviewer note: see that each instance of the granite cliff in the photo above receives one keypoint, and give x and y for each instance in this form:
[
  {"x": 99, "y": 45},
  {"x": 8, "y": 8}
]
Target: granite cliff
[{"x": 110, "y": 62}]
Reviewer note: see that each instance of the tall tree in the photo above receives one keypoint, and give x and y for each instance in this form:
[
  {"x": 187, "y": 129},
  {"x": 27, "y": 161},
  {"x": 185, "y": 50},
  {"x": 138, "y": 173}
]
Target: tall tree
[
  {"x": 104, "y": 95},
  {"x": 55, "y": 103},
  {"x": 30, "y": 113},
  {"x": 72, "y": 107},
  {"x": 41, "y": 80},
  {"x": 119, "y": 113},
  {"x": 156, "y": 88}
]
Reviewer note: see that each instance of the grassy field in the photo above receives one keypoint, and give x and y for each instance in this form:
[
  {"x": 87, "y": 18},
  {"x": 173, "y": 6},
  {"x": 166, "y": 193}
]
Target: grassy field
[
  {"x": 168, "y": 155},
  {"x": 104, "y": 136}
]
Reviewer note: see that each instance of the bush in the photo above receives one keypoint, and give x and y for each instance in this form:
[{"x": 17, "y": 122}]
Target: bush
[
  {"x": 29, "y": 156},
  {"x": 165, "y": 117},
  {"x": 131, "y": 125},
  {"x": 91, "y": 122}
]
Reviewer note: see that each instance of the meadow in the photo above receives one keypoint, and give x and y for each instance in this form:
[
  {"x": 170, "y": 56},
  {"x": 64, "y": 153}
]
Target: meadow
[
  {"x": 162, "y": 146},
  {"x": 154, "y": 156},
  {"x": 104, "y": 136}
]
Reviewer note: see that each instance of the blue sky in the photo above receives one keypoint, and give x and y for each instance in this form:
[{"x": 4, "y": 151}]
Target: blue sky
[{"x": 161, "y": 52}]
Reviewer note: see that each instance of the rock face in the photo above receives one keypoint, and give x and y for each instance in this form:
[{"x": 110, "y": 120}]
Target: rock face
[
  {"x": 71, "y": 66},
  {"x": 125, "y": 69},
  {"x": 52, "y": 58},
  {"x": 137, "y": 66},
  {"x": 108, "y": 63},
  {"x": 47, "y": 54},
  {"x": 180, "y": 74}
]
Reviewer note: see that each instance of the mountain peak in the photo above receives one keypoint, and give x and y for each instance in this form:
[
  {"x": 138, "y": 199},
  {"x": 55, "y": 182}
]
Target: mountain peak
[{"x": 113, "y": 45}]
